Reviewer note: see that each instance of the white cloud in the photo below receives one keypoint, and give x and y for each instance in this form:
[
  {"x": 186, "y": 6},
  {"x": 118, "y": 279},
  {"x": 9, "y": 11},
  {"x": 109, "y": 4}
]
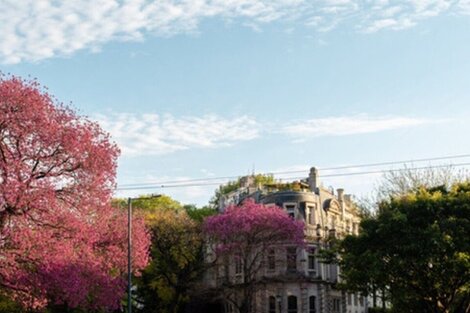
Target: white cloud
[
  {"x": 464, "y": 5},
  {"x": 347, "y": 125},
  {"x": 152, "y": 134},
  {"x": 406, "y": 14},
  {"x": 33, "y": 30}
]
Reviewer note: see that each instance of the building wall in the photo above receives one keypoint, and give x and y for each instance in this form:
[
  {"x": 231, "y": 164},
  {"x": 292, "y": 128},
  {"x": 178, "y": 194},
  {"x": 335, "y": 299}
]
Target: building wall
[{"x": 325, "y": 214}]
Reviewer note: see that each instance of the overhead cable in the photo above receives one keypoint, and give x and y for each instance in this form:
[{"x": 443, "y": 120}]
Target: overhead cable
[
  {"x": 181, "y": 184},
  {"x": 294, "y": 172}
]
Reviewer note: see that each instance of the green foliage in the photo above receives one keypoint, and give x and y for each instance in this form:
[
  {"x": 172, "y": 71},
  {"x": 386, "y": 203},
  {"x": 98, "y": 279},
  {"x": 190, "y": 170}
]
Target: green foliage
[
  {"x": 259, "y": 180},
  {"x": 264, "y": 179},
  {"x": 401, "y": 182},
  {"x": 177, "y": 262},
  {"x": 9, "y": 306},
  {"x": 147, "y": 204},
  {"x": 222, "y": 191},
  {"x": 199, "y": 214},
  {"x": 417, "y": 248}
]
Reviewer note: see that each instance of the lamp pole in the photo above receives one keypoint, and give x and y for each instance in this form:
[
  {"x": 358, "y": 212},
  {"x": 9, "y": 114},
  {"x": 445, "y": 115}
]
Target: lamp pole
[{"x": 129, "y": 248}]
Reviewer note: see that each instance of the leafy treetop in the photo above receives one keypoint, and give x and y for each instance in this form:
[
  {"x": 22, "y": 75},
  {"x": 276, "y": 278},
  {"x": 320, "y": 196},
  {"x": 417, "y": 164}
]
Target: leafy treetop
[
  {"x": 149, "y": 205},
  {"x": 50, "y": 158},
  {"x": 246, "y": 232},
  {"x": 417, "y": 249},
  {"x": 61, "y": 242}
]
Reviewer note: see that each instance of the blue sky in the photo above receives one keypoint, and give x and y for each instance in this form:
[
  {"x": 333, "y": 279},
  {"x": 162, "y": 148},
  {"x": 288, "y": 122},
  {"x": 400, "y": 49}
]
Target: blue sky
[{"x": 200, "y": 89}]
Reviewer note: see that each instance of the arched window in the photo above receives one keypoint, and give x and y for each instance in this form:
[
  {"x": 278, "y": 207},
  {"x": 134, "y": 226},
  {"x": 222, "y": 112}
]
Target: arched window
[
  {"x": 291, "y": 304},
  {"x": 272, "y": 305},
  {"x": 312, "y": 304}
]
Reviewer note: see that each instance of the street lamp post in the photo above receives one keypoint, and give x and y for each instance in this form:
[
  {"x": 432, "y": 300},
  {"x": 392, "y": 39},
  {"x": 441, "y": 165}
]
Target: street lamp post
[{"x": 129, "y": 248}]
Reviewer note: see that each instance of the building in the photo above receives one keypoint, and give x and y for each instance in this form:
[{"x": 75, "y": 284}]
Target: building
[{"x": 293, "y": 280}]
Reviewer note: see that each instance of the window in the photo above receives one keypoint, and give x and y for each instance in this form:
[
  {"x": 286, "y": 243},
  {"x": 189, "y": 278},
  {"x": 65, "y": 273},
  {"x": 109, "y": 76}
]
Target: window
[
  {"x": 355, "y": 299},
  {"x": 238, "y": 265},
  {"x": 349, "y": 299},
  {"x": 290, "y": 208},
  {"x": 311, "y": 261},
  {"x": 361, "y": 300},
  {"x": 333, "y": 273},
  {"x": 312, "y": 304},
  {"x": 291, "y": 304},
  {"x": 271, "y": 259},
  {"x": 272, "y": 305},
  {"x": 291, "y": 259},
  {"x": 336, "y": 305},
  {"x": 311, "y": 215}
]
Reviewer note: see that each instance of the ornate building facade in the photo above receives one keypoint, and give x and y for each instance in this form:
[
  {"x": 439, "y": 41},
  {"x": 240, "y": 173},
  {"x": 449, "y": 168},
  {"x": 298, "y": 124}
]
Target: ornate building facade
[{"x": 293, "y": 280}]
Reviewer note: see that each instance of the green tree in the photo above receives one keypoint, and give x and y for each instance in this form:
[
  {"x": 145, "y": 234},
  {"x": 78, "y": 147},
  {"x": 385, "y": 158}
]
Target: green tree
[
  {"x": 177, "y": 263},
  {"x": 199, "y": 214},
  {"x": 417, "y": 248},
  {"x": 148, "y": 205},
  {"x": 408, "y": 179}
]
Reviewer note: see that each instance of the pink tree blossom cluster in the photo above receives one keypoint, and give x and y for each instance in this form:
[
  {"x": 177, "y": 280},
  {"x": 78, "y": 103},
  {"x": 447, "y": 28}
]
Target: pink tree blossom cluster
[
  {"x": 252, "y": 224},
  {"x": 242, "y": 235},
  {"x": 60, "y": 240}
]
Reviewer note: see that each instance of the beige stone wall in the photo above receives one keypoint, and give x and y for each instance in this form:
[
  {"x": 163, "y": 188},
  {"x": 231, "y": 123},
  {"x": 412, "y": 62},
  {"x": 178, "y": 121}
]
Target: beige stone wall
[{"x": 327, "y": 213}]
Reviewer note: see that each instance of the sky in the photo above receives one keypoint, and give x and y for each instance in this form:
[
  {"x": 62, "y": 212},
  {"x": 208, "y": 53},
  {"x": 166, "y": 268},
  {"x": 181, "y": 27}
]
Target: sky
[{"x": 198, "y": 89}]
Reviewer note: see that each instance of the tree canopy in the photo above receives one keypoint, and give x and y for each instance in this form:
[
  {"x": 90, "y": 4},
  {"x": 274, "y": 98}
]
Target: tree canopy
[
  {"x": 177, "y": 262},
  {"x": 245, "y": 233},
  {"x": 49, "y": 156},
  {"x": 61, "y": 242},
  {"x": 148, "y": 204},
  {"x": 416, "y": 248}
]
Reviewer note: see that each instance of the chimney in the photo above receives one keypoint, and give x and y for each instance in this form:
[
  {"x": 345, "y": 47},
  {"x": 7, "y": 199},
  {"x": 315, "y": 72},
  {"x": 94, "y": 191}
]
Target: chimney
[
  {"x": 340, "y": 192},
  {"x": 313, "y": 180}
]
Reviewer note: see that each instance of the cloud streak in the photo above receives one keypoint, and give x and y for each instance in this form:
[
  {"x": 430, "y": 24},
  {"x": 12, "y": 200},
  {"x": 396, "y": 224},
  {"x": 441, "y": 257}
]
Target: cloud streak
[
  {"x": 32, "y": 30},
  {"x": 152, "y": 134},
  {"x": 348, "y": 125}
]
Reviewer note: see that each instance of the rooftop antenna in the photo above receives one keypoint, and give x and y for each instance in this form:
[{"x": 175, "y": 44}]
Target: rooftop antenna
[{"x": 253, "y": 171}]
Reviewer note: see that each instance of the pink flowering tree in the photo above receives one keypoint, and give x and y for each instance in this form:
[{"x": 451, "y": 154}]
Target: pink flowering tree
[
  {"x": 61, "y": 242},
  {"x": 243, "y": 234}
]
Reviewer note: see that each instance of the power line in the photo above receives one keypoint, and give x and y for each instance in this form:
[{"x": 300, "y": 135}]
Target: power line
[
  {"x": 149, "y": 184},
  {"x": 161, "y": 186},
  {"x": 398, "y": 162},
  {"x": 397, "y": 170}
]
